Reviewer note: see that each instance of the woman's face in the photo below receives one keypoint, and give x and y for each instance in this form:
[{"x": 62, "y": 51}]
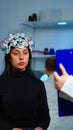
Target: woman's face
[{"x": 19, "y": 58}]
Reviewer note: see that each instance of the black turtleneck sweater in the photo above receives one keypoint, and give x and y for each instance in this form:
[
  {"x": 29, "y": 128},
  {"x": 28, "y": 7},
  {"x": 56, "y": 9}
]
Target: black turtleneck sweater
[{"x": 23, "y": 102}]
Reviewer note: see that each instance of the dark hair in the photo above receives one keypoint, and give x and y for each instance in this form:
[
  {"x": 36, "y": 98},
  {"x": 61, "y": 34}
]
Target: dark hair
[
  {"x": 9, "y": 70},
  {"x": 50, "y": 63}
]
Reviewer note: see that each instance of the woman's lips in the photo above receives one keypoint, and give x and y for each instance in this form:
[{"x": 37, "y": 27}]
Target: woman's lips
[{"x": 21, "y": 63}]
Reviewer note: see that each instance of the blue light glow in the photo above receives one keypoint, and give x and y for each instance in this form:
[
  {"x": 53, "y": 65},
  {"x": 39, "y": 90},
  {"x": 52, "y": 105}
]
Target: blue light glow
[{"x": 62, "y": 23}]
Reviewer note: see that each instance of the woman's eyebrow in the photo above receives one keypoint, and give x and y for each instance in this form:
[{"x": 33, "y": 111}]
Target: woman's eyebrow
[
  {"x": 19, "y": 50},
  {"x": 25, "y": 49},
  {"x": 15, "y": 50}
]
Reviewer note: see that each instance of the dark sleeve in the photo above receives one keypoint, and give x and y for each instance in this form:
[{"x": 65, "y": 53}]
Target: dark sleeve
[
  {"x": 44, "y": 117},
  {"x": 3, "y": 124}
]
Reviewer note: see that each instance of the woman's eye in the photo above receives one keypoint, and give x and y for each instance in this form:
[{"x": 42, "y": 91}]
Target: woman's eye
[
  {"x": 25, "y": 53},
  {"x": 15, "y": 53}
]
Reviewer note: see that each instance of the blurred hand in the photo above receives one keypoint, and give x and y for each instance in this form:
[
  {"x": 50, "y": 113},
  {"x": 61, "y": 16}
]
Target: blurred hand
[{"x": 60, "y": 80}]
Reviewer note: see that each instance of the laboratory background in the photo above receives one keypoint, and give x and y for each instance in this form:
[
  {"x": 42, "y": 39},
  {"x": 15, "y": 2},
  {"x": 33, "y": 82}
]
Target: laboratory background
[{"x": 49, "y": 22}]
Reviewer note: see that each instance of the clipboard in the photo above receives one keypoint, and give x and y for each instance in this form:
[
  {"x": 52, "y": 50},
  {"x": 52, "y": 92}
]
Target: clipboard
[{"x": 65, "y": 56}]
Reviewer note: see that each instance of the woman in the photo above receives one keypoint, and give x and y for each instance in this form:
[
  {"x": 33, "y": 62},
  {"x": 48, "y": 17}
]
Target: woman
[
  {"x": 64, "y": 82},
  {"x": 23, "y": 102}
]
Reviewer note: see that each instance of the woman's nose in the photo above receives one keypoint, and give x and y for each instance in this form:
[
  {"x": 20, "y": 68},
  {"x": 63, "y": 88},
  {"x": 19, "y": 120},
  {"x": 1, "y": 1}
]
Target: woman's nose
[{"x": 21, "y": 56}]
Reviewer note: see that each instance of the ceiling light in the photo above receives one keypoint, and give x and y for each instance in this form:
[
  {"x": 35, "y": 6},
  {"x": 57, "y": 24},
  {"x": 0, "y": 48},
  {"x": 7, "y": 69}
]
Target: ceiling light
[{"x": 62, "y": 23}]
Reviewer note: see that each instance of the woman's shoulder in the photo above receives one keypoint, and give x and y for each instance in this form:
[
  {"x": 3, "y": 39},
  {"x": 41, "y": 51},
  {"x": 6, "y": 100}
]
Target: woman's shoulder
[
  {"x": 3, "y": 85},
  {"x": 36, "y": 77},
  {"x": 37, "y": 80}
]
